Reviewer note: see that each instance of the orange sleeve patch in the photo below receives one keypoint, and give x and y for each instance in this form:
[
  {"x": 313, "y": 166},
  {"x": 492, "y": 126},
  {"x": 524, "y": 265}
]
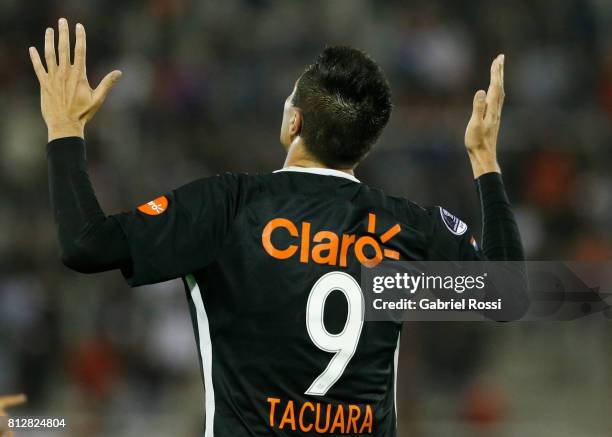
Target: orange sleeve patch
[{"x": 155, "y": 207}]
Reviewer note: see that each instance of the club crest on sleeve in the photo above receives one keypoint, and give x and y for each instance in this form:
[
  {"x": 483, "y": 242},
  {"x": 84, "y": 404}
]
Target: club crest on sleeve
[
  {"x": 454, "y": 224},
  {"x": 154, "y": 207}
]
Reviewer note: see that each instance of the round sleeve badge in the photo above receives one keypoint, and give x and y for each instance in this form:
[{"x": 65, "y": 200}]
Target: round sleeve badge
[
  {"x": 154, "y": 207},
  {"x": 453, "y": 224}
]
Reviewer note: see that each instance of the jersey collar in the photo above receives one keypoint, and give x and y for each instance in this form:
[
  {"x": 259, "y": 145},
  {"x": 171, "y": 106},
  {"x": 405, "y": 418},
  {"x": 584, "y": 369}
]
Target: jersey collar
[{"x": 321, "y": 171}]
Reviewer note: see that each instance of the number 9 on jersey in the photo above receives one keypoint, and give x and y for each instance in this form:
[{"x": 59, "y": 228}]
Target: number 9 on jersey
[{"x": 343, "y": 344}]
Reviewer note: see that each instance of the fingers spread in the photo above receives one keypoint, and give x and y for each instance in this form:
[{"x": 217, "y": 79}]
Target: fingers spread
[
  {"x": 80, "y": 48},
  {"x": 64, "y": 44},
  {"x": 50, "y": 57},
  {"x": 41, "y": 74},
  {"x": 480, "y": 105},
  {"x": 105, "y": 86}
]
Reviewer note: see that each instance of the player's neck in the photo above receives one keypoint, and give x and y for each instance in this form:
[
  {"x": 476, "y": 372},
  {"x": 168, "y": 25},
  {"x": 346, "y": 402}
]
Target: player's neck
[{"x": 298, "y": 156}]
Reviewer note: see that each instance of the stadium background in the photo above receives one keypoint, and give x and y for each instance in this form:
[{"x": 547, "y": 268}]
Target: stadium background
[{"x": 202, "y": 92}]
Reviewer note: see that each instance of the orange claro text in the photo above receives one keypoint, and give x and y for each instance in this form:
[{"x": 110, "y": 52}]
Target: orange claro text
[
  {"x": 328, "y": 247},
  {"x": 322, "y": 418}
]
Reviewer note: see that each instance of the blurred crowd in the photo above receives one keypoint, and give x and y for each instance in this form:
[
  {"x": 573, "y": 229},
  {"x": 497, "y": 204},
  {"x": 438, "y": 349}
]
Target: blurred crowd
[{"x": 202, "y": 92}]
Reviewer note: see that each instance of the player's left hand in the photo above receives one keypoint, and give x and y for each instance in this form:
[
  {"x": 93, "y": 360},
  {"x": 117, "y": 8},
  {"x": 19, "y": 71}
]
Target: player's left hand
[
  {"x": 67, "y": 100},
  {"x": 8, "y": 402},
  {"x": 483, "y": 127}
]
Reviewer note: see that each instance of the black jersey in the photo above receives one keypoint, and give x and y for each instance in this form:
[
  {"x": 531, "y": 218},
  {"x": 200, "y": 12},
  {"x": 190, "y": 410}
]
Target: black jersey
[{"x": 272, "y": 266}]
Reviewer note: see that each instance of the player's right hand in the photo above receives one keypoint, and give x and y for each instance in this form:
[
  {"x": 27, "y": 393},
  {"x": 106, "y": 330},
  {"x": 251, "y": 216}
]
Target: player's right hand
[
  {"x": 7, "y": 402},
  {"x": 67, "y": 100},
  {"x": 483, "y": 127}
]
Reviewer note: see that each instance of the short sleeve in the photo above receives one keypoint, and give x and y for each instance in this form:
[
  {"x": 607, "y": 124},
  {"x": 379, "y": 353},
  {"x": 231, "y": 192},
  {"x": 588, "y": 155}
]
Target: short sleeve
[
  {"x": 180, "y": 232},
  {"x": 450, "y": 238}
]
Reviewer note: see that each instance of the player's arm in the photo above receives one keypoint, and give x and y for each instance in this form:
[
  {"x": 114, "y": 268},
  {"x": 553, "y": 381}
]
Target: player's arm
[
  {"x": 167, "y": 238},
  {"x": 501, "y": 240},
  {"x": 90, "y": 241}
]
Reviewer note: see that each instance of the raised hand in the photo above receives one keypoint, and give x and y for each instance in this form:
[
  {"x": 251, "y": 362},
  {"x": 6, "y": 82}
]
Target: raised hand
[
  {"x": 483, "y": 127},
  {"x": 67, "y": 100}
]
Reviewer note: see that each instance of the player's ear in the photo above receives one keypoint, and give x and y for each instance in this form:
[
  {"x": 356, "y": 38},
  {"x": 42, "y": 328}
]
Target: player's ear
[{"x": 295, "y": 126}]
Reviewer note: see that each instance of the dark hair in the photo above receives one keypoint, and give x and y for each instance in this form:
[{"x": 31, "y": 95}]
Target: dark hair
[{"x": 346, "y": 102}]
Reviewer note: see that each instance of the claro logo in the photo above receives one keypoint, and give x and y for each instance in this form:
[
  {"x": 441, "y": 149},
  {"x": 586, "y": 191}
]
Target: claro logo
[{"x": 327, "y": 247}]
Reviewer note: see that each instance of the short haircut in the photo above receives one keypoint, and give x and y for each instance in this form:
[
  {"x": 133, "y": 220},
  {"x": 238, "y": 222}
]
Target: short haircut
[{"x": 345, "y": 102}]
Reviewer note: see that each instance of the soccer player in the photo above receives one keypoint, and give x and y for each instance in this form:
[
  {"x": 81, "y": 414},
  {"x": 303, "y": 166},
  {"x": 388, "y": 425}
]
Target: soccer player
[{"x": 261, "y": 254}]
